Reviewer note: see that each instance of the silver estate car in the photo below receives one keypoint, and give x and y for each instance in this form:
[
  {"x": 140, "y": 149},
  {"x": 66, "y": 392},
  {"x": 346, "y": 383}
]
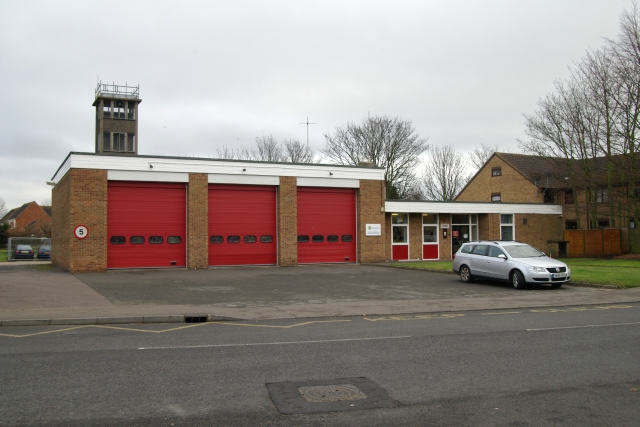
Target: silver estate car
[{"x": 514, "y": 262}]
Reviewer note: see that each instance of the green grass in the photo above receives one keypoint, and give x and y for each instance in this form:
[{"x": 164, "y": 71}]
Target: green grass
[
  {"x": 616, "y": 272},
  {"x": 3, "y": 255}
]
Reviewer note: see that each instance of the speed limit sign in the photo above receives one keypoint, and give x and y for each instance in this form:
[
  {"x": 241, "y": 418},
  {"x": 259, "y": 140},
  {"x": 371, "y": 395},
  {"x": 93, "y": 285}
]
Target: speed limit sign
[{"x": 81, "y": 232}]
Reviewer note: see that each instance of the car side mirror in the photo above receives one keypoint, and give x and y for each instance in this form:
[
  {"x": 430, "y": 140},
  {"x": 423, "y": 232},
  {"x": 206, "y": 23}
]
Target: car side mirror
[{"x": 502, "y": 256}]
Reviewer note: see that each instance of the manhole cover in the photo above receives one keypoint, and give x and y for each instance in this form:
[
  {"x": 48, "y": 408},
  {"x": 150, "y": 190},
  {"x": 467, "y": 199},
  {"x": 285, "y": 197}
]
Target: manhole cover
[
  {"x": 341, "y": 394},
  {"x": 331, "y": 393}
]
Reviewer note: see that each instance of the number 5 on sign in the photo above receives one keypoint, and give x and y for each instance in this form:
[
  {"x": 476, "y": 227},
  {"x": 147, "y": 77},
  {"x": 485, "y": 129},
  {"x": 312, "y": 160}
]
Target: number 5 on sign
[{"x": 81, "y": 232}]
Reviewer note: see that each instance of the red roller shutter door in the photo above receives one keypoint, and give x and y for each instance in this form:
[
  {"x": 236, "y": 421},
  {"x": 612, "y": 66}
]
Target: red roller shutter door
[
  {"x": 327, "y": 221},
  {"x": 153, "y": 214},
  {"x": 242, "y": 225}
]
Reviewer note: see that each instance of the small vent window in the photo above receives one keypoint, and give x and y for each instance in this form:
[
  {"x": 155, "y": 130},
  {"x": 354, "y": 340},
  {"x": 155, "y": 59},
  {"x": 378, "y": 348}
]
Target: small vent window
[
  {"x": 495, "y": 197},
  {"x": 318, "y": 238},
  {"x": 332, "y": 238},
  {"x": 136, "y": 240},
  {"x": 303, "y": 239},
  {"x": 174, "y": 240},
  {"x": 266, "y": 239},
  {"x": 233, "y": 239},
  {"x": 250, "y": 239},
  {"x": 347, "y": 238},
  {"x": 117, "y": 240},
  {"x": 496, "y": 171},
  {"x": 216, "y": 239},
  {"x": 156, "y": 240}
]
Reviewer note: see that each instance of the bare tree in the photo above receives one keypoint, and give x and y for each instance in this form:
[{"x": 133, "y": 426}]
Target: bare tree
[
  {"x": 241, "y": 153},
  {"x": 444, "y": 173},
  {"x": 3, "y": 208},
  {"x": 268, "y": 149},
  {"x": 479, "y": 156},
  {"x": 388, "y": 142},
  {"x": 295, "y": 152}
]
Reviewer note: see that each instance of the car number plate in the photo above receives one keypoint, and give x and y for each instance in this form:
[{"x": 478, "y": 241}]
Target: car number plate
[
  {"x": 24, "y": 252},
  {"x": 557, "y": 275}
]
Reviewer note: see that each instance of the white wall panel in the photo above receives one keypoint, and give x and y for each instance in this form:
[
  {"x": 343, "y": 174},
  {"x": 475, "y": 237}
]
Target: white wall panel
[
  {"x": 147, "y": 176},
  {"x": 471, "y": 208},
  {"x": 329, "y": 182},
  {"x": 243, "y": 179}
]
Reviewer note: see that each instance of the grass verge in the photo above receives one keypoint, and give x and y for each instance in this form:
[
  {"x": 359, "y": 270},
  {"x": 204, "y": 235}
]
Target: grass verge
[
  {"x": 3, "y": 255},
  {"x": 619, "y": 273}
]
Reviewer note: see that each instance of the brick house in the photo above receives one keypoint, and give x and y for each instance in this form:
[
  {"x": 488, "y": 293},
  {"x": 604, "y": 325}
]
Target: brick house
[
  {"x": 586, "y": 203},
  {"x": 29, "y": 219}
]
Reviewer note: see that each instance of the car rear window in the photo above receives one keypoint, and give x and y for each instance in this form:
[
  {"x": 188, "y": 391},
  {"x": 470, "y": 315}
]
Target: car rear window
[
  {"x": 466, "y": 249},
  {"x": 480, "y": 250}
]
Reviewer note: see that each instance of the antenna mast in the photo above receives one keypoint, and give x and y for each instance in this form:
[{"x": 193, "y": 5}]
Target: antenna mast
[{"x": 307, "y": 123}]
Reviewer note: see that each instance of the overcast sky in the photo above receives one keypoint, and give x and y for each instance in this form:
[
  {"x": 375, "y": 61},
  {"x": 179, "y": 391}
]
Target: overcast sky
[{"x": 215, "y": 73}]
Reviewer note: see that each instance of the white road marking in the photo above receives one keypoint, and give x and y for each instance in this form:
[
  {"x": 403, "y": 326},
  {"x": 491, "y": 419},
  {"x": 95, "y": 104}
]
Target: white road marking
[
  {"x": 274, "y": 343},
  {"x": 586, "y": 326}
]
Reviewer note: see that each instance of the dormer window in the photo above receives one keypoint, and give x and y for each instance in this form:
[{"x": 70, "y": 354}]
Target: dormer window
[{"x": 497, "y": 171}]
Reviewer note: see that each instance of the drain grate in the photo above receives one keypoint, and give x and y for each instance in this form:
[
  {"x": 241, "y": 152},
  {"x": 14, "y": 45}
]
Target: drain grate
[
  {"x": 331, "y": 393},
  {"x": 341, "y": 394},
  {"x": 195, "y": 318}
]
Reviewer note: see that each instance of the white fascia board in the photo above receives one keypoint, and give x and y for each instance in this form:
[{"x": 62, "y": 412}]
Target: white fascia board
[
  {"x": 224, "y": 167},
  {"x": 147, "y": 176},
  {"x": 62, "y": 170},
  {"x": 472, "y": 208},
  {"x": 329, "y": 182},
  {"x": 243, "y": 179}
]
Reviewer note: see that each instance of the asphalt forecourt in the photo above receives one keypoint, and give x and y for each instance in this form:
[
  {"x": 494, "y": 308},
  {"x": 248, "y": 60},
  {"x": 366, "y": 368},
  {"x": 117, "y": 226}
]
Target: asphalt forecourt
[{"x": 46, "y": 295}]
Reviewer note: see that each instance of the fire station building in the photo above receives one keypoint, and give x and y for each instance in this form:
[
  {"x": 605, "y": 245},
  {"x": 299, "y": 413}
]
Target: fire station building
[{"x": 116, "y": 209}]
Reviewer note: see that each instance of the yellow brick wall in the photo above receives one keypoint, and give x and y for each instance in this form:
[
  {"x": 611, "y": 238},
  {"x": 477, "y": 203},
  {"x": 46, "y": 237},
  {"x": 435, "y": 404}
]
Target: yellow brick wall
[
  {"x": 371, "y": 196},
  {"x": 512, "y": 186},
  {"x": 198, "y": 221},
  {"x": 287, "y": 200}
]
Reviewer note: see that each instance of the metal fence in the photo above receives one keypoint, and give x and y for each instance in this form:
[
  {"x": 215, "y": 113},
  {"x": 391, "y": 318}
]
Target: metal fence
[{"x": 34, "y": 242}]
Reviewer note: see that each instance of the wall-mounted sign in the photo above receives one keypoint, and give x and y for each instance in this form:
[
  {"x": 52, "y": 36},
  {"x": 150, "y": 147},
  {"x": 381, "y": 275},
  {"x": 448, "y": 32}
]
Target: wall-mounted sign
[
  {"x": 81, "y": 232},
  {"x": 444, "y": 225},
  {"x": 454, "y": 233},
  {"x": 373, "y": 230}
]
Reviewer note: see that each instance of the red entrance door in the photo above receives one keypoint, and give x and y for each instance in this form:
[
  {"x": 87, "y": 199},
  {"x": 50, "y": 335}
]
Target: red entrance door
[
  {"x": 242, "y": 225},
  {"x": 326, "y": 225},
  {"x": 146, "y": 225}
]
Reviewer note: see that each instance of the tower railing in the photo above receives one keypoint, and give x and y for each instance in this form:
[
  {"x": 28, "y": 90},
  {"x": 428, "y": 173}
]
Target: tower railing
[{"x": 120, "y": 91}]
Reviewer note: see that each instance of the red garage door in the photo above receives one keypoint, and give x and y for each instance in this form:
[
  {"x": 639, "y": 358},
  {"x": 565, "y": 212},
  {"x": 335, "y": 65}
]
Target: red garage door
[
  {"x": 146, "y": 224},
  {"x": 326, "y": 225},
  {"x": 242, "y": 225}
]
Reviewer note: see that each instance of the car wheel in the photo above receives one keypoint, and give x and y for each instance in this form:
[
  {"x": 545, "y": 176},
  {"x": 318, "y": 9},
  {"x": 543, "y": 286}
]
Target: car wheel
[
  {"x": 517, "y": 279},
  {"x": 556, "y": 285},
  {"x": 465, "y": 274}
]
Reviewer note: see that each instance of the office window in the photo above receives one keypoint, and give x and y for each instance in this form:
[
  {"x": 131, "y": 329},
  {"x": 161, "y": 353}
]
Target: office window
[{"x": 571, "y": 225}]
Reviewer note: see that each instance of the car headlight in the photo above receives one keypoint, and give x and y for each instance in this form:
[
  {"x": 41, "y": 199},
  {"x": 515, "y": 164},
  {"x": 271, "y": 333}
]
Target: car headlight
[{"x": 538, "y": 269}]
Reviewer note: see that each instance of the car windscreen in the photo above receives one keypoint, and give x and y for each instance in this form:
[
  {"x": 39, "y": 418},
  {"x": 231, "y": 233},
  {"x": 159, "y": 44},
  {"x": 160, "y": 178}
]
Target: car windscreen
[
  {"x": 522, "y": 251},
  {"x": 23, "y": 248}
]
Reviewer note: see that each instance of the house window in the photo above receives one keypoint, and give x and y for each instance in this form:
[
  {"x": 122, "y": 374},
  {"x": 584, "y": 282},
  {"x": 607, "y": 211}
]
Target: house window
[
  {"x": 549, "y": 197},
  {"x": 568, "y": 197},
  {"x": 496, "y": 171},
  {"x": 506, "y": 227},
  {"x": 495, "y": 197},
  {"x": 118, "y": 142},
  {"x": 602, "y": 223},
  {"x": 118, "y": 110},
  {"x": 131, "y": 111},
  {"x": 430, "y": 228},
  {"x": 106, "y": 108},
  {"x": 524, "y": 221},
  {"x": 571, "y": 225},
  {"x": 12, "y": 223},
  {"x": 602, "y": 196},
  {"x": 632, "y": 223},
  {"x": 131, "y": 142}
]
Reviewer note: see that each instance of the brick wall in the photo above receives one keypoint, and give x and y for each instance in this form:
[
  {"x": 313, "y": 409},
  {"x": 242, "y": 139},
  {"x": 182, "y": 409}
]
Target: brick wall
[
  {"x": 387, "y": 240},
  {"x": 287, "y": 199},
  {"x": 539, "y": 229},
  {"x": 371, "y": 196},
  {"x": 445, "y": 244},
  {"x": 512, "y": 186},
  {"x": 60, "y": 223},
  {"x": 415, "y": 236},
  {"x": 198, "y": 221},
  {"x": 88, "y": 207}
]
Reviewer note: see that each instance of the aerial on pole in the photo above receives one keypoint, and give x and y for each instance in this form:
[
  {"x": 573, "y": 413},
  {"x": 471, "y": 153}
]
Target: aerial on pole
[{"x": 307, "y": 123}]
